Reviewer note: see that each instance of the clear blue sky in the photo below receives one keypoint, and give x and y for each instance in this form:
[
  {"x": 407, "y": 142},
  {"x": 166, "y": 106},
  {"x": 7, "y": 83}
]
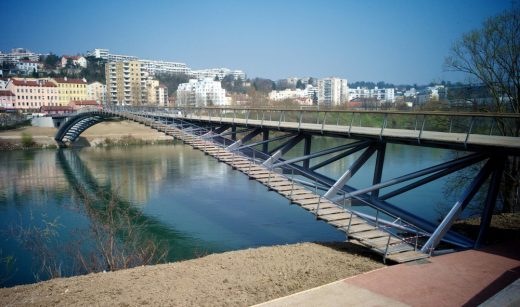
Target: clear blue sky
[{"x": 394, "y": 41}]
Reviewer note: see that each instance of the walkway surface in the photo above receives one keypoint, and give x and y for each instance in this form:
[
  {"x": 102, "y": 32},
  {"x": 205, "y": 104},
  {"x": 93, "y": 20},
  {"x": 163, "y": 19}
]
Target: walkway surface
[{"x": 466, "y": 278}]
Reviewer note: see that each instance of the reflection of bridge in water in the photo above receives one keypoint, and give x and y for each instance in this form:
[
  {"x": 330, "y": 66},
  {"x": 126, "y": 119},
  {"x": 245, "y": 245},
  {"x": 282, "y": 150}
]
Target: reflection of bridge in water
[
  {"x": 233, "y": 136},
  {"x": 97, "y": 198}
]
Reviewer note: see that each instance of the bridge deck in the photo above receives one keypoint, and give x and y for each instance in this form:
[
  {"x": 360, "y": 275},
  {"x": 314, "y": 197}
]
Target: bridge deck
[
  {"x": 375, "y": 238},
  {"x": 396, "y": 134}
]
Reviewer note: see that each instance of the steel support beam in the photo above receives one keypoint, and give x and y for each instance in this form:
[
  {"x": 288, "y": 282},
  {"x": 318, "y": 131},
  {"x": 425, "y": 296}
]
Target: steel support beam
[
  {"x": 316, "y": 154},
  {"x": 269, "y": 162},
  {"x": 234, "y": 133},
  {"x": 491, "y": 198},
  {"x": 351, "y": 171},
  {"x": 307, "y": 149},
  {"x": 414, "y": 175},
  {"x": 265, "y": 138},
  {"x": 446, "y": 171},
  {"x": 267, "y": 141},
  {"x": 285, "y": 147},
  {"x": 378, "y": 169},
  {"x": 361, "y": 145},
  {"x": 457, "y": 208}
]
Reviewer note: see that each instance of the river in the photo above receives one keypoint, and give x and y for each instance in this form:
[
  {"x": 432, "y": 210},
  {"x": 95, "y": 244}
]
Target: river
[{"x": 54, "y": 204}]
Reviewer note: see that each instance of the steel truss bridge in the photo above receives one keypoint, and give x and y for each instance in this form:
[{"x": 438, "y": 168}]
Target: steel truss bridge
[{"x": 242, "y": 137}]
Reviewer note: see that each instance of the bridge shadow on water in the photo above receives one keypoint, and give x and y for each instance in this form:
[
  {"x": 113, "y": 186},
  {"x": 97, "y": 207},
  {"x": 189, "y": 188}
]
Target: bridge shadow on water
[{"x": 113, "y": 216}]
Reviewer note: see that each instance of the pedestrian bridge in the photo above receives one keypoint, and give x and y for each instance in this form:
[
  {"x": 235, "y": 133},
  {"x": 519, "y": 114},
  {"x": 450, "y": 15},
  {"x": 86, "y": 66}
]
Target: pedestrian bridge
[{"x": 254, "y": 141}]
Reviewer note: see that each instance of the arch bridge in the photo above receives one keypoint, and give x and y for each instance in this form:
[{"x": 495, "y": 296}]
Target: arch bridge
[{"x": 260, "y": 138}]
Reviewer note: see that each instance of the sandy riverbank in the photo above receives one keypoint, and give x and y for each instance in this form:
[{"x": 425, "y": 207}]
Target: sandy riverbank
[
  {"x": 93, "y": 136},
  {"x": 237, "y": 278}
]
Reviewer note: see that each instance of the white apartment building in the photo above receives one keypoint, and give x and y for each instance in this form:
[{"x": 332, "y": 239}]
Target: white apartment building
[
  {"x": 17, "y": 54},
  {"x": 201, "y": 93},
  {"x": 217, "y": 72},
  {"x": 27, "y": 67},
  {"x": 97, "y": 91},
  {"x": 154, "y": 67},
  {"x": 381, "y": 94},
  {"x": 151, "y": 66},
  {"x": 75, "y": 60},
  {"x": 302, "y": 96},
  {"x": 332, "y": 91}
]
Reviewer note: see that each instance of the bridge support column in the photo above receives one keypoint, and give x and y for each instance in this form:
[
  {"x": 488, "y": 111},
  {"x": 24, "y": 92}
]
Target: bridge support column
[
  {"x": 378, "y": 170},
  {"x": 265, "y": 137},
  {"x": 307, "y": 150},
  {"x": 234, "y": 133},
  {"x": 491, "y": 199}
]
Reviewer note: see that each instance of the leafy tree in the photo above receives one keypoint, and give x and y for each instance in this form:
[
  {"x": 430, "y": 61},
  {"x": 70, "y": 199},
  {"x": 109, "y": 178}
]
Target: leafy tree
[
  {"x": 172, "y": 81},
  {"x": 491, "y": 55},
  {"x": 51, "y": 61},
  {"x": 300, "y": 85},
  {"x": 263, "y": 85}
]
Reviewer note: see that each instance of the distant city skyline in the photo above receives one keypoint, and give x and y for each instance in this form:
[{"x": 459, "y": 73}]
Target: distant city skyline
[{"x": 393, "y": 41}]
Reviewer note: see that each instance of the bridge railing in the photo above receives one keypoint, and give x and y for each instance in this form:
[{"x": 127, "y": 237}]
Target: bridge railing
[{"x": 468, "y": 123}]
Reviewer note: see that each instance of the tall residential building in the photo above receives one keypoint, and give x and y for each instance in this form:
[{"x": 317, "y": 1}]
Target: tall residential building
[
  {"x": 162, "y": 95},
  {"x": 126, "y": 83},
  {"x": 201, "y": 93},
  {"x": 33, "y": 93},
  {"x": 332, "y": 91},
  {"x": 151, "y": 90},
  {"x": 97, "y": 91},
  {"x": 70, "y": 89}
]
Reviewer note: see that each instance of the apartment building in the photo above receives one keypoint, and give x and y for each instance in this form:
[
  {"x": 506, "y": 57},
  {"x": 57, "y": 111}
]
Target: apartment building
[
  {"x": 126, "y": 83},
  {"x": 220, "y": 73},
  {"x": 18, "y": 54},
  {"x": 33, "y": 93},
  {"x": 332, "y": 91},
  {"x": 201, "y": 93},
  {"x": 27, "y": 67},
  {"x": 381, "y": 94},
  {"x": 162, "y": 96},
  {"x": 97, "y": 91},
  {"x": 71, "y": 89},
  {"x": 7, "y": 99}
]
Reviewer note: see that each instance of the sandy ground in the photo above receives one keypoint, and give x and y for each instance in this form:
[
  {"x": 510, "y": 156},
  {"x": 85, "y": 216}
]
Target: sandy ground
[
  {"x": 235, "y": 278},
  {"x": 94, "y": 135}
]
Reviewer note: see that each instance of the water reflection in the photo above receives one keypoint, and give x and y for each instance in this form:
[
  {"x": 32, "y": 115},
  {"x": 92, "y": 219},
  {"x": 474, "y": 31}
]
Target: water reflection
[{"x": 176, "y": 197}]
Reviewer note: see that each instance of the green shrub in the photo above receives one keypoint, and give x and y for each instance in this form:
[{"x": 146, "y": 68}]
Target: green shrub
[{"x": 27, "y": 139}]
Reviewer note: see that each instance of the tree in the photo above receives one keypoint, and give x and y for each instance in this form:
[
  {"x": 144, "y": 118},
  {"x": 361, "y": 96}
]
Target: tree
[
  {"x": 300, "y": 85},
  {"x": 491, "y": 55},
  {"x": 51, "y": 61}
]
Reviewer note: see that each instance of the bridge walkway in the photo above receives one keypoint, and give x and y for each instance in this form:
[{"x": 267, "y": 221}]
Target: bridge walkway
[{"x": 374, "y": 237}]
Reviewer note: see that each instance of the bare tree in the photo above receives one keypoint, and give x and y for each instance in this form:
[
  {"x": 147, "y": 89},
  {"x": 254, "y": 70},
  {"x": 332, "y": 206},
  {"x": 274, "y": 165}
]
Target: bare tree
[{"x": 491, "y": 55}]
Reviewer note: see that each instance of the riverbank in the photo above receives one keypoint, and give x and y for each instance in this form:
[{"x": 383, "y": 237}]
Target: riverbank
[
  {"x": 105, "y": 133},
  {"x": 236, "y": 278}
]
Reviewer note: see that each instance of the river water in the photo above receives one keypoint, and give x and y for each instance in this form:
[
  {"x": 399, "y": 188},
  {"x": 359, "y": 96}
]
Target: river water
[{"x": 54, "y": 204}]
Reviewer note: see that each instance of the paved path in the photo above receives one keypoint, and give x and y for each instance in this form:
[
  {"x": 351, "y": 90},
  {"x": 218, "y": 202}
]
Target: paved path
[{"x": 465, "y": 278}]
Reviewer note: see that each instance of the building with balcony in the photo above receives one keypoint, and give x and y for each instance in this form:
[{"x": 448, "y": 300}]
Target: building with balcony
[
  {"x": 332, "y": 91},
  {"x": 380, "y": 94},
  {"x": 126, "y": 83},
  {"x": 33, "y": 93},
  {"x": 18, "y": 54},
  {"x": 71, "y": 89},
  {"x": 97, "y": 91},
  {"x": 27, "y": 67},
  {"x": 201, "y": 93},
  {"x": 219, "y": 73}
]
